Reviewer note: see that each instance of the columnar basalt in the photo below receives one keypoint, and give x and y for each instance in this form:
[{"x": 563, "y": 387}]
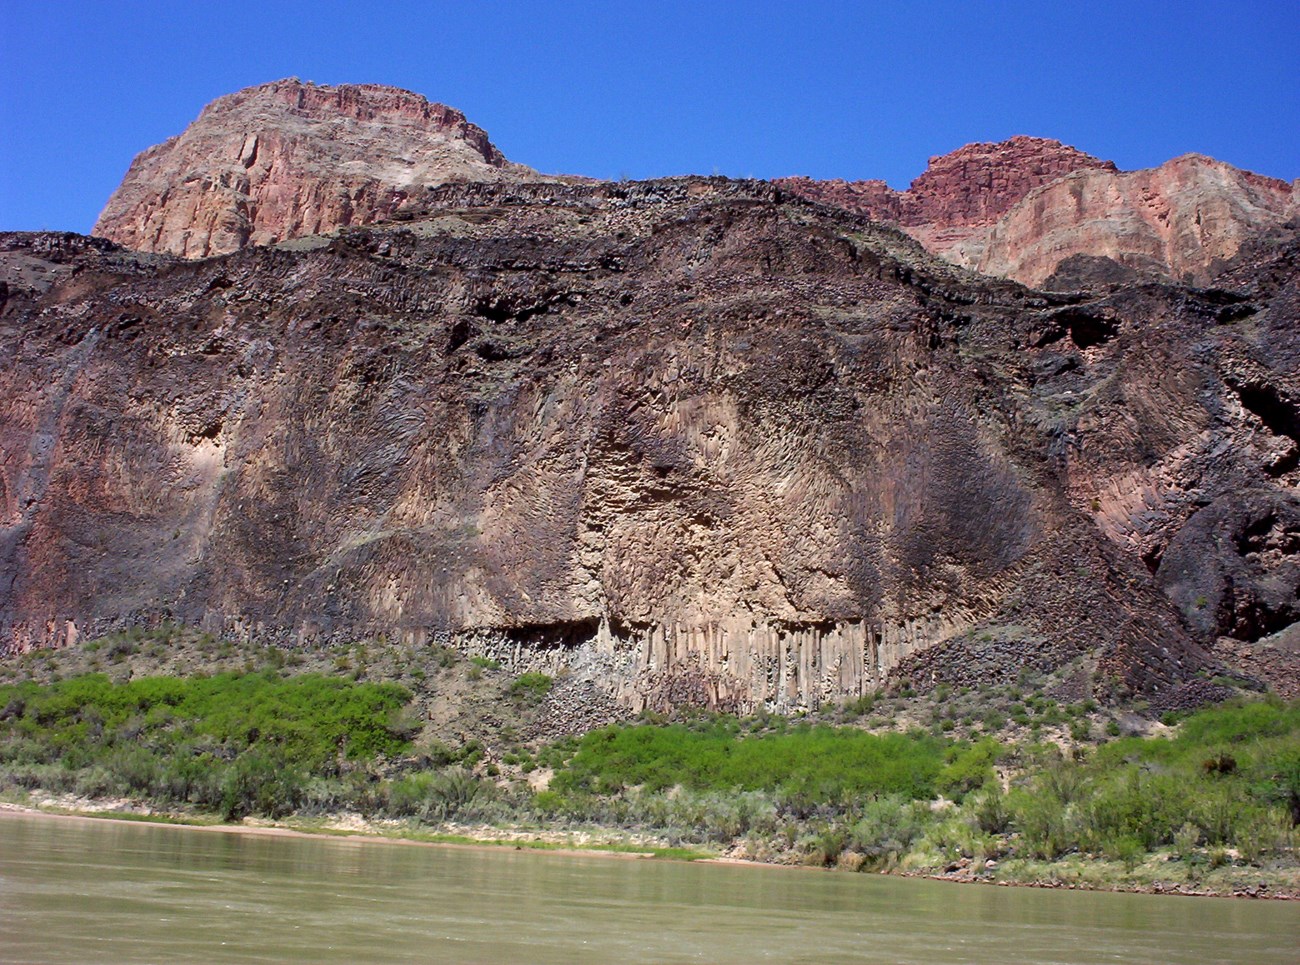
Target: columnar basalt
[
  {"x": 692, "y": 441},
  {"x": 696, "y": 440}
]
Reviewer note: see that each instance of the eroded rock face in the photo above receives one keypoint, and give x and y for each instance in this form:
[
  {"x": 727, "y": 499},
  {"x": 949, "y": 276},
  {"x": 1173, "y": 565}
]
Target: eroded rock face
[
  {"x": 1185, "y": 220},
  {"x": 1048, "y": 215},
  {"x": 959, "y": 195},
  {"x": 694, "y": 440},
  {"x": 289, "y": 159}
]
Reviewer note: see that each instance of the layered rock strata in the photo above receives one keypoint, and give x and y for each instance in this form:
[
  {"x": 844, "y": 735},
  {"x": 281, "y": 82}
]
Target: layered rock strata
[
  {"x": 697, "y": 441},
  {"x": 1187, "y": 220},
  {"x": 289, "y": 159},
  {"x": 1029, "y": 209}
]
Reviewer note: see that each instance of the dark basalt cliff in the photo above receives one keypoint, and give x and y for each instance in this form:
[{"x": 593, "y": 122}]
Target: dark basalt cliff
[{"x": 697, "y": 440}]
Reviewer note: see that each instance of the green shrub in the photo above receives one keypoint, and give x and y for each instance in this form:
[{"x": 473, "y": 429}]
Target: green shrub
[
  {"x": 531, "y": 687},
  {"x": 1127, "y": 849},
  {"x": 887, "y": 828},
  {"x": 1042, "y": 822},
  {"x": 809, "y": 765},
  {"x": 969, "y": 767},
  {"x": 238, "y": 743},
  {"x": 260, "y": 782}
]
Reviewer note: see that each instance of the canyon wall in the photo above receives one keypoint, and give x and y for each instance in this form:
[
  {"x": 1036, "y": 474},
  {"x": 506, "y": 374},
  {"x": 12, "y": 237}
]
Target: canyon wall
[
  {"x": 337, "y": 369},
  {"x": 699, "y": 440},
  {"x": 289, "y": 159},
  {"x": 1048, "y": 215}
]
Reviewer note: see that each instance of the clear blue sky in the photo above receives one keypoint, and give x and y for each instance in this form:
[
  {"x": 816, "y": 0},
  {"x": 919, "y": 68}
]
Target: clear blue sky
[{"x": 852, "y": 90}]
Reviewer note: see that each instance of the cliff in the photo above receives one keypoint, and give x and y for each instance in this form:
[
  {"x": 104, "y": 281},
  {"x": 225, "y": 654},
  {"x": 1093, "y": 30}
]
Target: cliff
[
  {"x": 1028, "y": 207},
  {"x": 697, "y": 440},
  {"x": 289, "y": 159}
]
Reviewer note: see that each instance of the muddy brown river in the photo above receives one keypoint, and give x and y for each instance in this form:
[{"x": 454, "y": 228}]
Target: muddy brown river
[{"x": 74, "y": 891}]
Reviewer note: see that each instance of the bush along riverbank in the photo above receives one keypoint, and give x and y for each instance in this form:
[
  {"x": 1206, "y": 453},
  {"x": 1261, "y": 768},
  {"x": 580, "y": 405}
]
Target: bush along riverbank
[{"x": 1212, "y": 805}]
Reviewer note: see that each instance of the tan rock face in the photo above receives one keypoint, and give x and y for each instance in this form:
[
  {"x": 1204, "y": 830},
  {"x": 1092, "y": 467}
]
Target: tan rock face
[
  {"x": 289, "y": 159},
  {"x": 1021, "y": 208},
  {"x": 959, "y": 193},
  {"x": 1184, "y": 220}
]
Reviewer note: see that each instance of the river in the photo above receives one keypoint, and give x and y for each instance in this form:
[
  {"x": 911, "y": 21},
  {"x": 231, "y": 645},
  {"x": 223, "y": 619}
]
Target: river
[{"x": 75, "y": 891}]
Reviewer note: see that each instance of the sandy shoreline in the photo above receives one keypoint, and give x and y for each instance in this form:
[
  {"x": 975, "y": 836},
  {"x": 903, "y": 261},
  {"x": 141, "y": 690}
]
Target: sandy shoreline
[
  {"x": 600, "y": 850},
  {"x": 378, "y": 837}
]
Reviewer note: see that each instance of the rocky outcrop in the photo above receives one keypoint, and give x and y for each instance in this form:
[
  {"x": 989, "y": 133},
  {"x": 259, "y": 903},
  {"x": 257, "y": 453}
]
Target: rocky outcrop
[
  {"x": 959, "y": 195},
  {"x": 289, "y": 159},
  {"x": 687, "y": 441},
  {"x": 1048, "y": 215},
  {"x": 1186, "y": 219},
  {"x": 692, "y": 441}
]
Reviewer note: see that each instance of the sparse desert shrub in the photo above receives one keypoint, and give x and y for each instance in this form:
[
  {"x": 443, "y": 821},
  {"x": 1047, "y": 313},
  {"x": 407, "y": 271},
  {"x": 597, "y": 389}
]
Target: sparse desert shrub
[{"x": 531, "y": 687}]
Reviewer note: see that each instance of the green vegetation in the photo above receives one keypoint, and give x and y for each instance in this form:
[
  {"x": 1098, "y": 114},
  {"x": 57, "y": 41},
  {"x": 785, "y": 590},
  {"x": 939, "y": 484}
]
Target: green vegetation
[
  {"x": 532, "y": 687},
  {"x": 236, "y": 743},
  {"x": 816, "y": 764},
  {"x": 1227, "y": 785},
  {"x": 980, "y": 778}
]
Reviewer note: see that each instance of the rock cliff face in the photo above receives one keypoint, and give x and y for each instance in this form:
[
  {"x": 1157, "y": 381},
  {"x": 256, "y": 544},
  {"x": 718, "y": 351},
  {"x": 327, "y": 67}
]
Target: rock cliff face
[
  {"x": 692, "y": 440},
  {"x": 697, "y": 440},
  {"x": 289, "y": 159},
  {"x": 1185, "y": 219},
  {"x": 1026, "y": 207}
]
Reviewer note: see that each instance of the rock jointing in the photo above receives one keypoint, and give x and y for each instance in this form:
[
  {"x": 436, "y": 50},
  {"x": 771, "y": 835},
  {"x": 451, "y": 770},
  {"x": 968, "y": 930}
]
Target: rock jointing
[
  {"x": 695, "y": 441},
  {"x": 691, "y": 441},
  {"x": 289, "y": 159}
]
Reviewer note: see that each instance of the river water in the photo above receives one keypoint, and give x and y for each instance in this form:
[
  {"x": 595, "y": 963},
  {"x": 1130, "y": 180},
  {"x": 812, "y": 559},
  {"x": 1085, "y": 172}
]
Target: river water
[{"x": 75, "y": 891}]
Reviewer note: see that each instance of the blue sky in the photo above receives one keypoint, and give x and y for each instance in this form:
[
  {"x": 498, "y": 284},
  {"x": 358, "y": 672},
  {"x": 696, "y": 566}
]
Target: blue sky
[{"x": 764, "y": 89}]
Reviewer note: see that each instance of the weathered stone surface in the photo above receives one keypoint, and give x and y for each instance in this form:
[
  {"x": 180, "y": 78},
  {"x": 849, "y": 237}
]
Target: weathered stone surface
[
  {"x": 1049, "y": 215},
  {"x": 289, "y": 159},
  {"x": 689, "y": 441},
  {"x": 960, "y": 194},
  {"x": 692, "y": 440},
  {"x": 1185, "y": 219}
]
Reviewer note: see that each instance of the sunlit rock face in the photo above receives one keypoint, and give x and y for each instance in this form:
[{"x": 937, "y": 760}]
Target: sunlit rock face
[
  {"x": 289, "y": 159},
  {"x": 1183, "y": 220},
  {"x": 691, "y": 441},
  {"x": 1030, "y": 208}
]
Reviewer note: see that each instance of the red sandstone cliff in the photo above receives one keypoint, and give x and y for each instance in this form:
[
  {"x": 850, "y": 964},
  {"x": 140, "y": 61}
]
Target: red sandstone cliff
[
  {"x": 288, "y": 159},
  {"x": 960, "y": 195},
  {"x": 1183, "y": 219},
  {"x": 1020, "y": 208}
]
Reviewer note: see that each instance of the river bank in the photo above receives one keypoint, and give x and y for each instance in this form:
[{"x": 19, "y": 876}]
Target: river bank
[
  {"x": 1076, "y": 873},
  {"x": 1009, "y": 785}
]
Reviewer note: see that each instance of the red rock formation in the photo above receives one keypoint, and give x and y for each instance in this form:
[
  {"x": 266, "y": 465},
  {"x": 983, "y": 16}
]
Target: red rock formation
[
  {"x": 1020, "y": 208},
  {"x": 978, "y": 183},
  {"x": 288, "y": 159},
  {"x": 692, "y": 440},
  {"x": 1183, "y": 219},
  {"x": 959, "y": 193}
]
